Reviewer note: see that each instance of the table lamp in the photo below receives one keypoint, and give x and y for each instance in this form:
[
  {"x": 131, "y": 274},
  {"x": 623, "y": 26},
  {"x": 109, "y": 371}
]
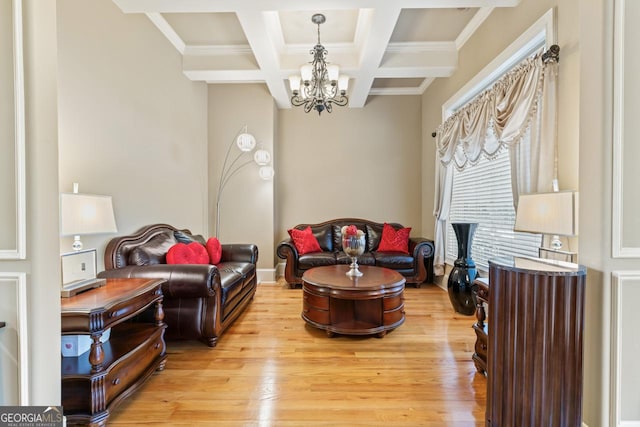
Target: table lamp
[
  {"x": 82, "y": 214},
  {"x": 548, "y": 213}
]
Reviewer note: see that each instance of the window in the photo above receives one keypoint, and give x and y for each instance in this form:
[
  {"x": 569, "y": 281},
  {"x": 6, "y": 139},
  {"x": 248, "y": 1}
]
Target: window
[{"x": 482, "y": 193}]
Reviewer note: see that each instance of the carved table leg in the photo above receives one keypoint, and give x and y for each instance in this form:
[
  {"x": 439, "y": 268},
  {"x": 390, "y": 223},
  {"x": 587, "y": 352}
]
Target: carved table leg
[{"x": 96, "y": 354}]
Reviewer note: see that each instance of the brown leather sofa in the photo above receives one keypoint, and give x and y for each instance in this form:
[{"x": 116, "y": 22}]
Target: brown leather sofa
[
  {"x": 200, "y": 300},
  {"x": 416, "y": 267}
]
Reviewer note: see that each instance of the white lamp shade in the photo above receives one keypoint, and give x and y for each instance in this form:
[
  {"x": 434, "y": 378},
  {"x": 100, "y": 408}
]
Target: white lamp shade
[
  {"x": 306, "y": 71},
  {"x": 266, "y": 172},
  {"x": 246, "y": 142},
  {"x": 343, "y": 82},
  {"x": 294, "y": 83},
  {"x": 333, "y": 71},
  {"x": 548, "y": 213},
  {"x": 262, "y": 157},
  {"x": 86, "y": 214}
]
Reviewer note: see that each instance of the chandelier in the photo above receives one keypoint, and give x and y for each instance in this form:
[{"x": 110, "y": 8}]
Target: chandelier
[{"x": 322, "y": 86}]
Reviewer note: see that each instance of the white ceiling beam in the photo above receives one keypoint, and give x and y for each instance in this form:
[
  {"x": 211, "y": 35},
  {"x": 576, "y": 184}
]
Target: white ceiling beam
[
  {"x": 475, "y": 22},
  {"x": 182, "y": 6},
  {"x": 255, "y": 29},
  {"x": 383, "y": 19},
  {"x": 225, "y": 76},
  {"x": 416, "y": 71},
  {"x": 167, "y": 30}
]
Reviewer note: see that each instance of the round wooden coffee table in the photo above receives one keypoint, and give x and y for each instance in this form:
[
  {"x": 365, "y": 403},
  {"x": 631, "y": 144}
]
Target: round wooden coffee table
[{"x": 371, "y": 304}]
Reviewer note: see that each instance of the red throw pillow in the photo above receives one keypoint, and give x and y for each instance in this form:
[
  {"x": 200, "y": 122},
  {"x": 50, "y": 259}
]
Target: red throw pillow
[
  {"x": 214, "y": 248},
  {"x": 192, "y": 253},
  {"x": 304, "y": 240},
  {"x": 393, "y": 240}
]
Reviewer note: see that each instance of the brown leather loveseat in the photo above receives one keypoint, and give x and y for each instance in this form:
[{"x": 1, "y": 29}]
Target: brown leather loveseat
[
  {"x": 416, "y": 266},
  {"x": 200, "y": 300}
]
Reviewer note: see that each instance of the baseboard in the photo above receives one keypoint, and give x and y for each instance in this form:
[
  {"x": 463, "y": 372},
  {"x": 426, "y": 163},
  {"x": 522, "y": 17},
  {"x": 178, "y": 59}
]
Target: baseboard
[
  {"x": 266, "y": 275},
  {"x": 280, "y": 269}
]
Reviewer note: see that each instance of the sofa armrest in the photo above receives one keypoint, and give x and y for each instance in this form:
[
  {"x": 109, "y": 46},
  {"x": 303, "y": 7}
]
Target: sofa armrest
[
  {"x": 421, "y": 247},
  {"x": 286, "y": 249},
  {"x": 182, "y": 280},
  {"x": 240, "y": 253}
]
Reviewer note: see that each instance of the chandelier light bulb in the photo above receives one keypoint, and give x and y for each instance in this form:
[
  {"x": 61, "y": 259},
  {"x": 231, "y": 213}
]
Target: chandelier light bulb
[
  {"x": 294, "y": 83},
  {"x": 333, "y": 71},
  {"x": 343, "y": 83},
  {"x": 306, "y": 71}
]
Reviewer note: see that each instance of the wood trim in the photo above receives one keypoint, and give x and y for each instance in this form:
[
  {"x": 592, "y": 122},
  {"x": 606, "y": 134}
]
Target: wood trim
[
  {"x": 20, "y": 279},
  {"x": 20, "y": 251},
  {"x": 617, "y": 246},
  {"x": 620, "y": 281}
]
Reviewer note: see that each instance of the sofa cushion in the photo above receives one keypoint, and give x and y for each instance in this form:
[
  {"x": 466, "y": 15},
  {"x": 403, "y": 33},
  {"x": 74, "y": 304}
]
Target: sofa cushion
[
  {"x": 316, "y": 259},
  {"x": 304, "y": 241},
  {"x": 231, "y": 282},
  {"x": 393, "y": 240},
  {"x": 193, "y": 253},
  {"x": 245, "y": 269},
  {"x": 214, "y": 249},
  {"x": 152, "y": 252},
  {"x": 393, "y": 260}
]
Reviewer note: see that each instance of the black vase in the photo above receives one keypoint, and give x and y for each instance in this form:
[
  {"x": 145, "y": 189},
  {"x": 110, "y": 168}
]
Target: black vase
[{"x": 460, "y": 284}]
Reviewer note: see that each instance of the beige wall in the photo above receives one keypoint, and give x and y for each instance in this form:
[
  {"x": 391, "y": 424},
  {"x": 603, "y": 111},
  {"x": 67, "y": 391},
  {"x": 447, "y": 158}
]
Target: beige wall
[
  {"x": 131, "y": 124},
  {"x": 247, "y": 201},
  {"x": 363, "y": 163}
]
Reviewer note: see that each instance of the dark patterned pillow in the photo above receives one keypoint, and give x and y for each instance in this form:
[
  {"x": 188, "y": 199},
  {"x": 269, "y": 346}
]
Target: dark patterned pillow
[
  {"x": 154, "y": 251},
  {"x": 184, "y": 237},
  {"x": 374, "y": 234}
]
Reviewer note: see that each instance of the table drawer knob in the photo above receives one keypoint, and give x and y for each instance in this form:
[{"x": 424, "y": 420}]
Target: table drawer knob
[
  {"x": 115, "y": 381},
  {"x": 157, "y": 346}
]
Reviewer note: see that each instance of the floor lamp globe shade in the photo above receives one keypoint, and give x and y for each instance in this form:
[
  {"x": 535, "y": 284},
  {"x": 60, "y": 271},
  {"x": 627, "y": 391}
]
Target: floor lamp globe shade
[
  {"x": 266, "y": 172},
  {"x": 246, "y": 142},
  {"x": 262, "y": 157}
]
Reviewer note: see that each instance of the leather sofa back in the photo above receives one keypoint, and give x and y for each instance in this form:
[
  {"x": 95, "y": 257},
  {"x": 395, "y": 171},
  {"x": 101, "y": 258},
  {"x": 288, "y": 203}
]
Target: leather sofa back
[
  {"x": 147, "y": 246},
  {"x": 329, "y": 233}
]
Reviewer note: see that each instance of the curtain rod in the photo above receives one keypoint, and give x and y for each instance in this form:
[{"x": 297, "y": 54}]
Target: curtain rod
[{"x": 551, "y": 55}]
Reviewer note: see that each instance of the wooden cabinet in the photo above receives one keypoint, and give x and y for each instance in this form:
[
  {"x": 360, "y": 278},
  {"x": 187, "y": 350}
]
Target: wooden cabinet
[
  {"x": 535, "y": 343},
  {"x": 95, "y": 382}
]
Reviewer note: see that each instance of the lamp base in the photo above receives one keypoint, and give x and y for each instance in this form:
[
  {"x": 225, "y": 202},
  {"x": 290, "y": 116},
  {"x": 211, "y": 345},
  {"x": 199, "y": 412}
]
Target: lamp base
[
  {"x": 81, "y": 286},
  {"x": 77, "y": 244}
]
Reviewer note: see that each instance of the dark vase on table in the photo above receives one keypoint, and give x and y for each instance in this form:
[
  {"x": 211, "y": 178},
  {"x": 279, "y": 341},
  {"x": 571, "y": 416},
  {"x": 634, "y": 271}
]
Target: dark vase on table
[{"x": 464, "y": 271}]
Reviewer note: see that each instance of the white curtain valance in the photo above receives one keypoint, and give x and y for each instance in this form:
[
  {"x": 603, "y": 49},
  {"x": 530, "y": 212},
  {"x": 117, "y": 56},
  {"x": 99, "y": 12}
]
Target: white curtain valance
[{"x": 505, "y": 110}]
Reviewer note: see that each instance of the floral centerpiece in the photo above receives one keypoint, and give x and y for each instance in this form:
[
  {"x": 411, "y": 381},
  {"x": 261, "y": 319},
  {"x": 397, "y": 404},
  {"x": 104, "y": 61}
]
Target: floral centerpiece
[{"x": 353, "y": 244}]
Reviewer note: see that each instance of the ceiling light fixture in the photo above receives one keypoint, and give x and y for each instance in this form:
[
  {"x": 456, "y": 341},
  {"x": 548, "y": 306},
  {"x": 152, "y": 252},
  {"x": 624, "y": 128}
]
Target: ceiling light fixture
[{"x": 322, "y": 85}]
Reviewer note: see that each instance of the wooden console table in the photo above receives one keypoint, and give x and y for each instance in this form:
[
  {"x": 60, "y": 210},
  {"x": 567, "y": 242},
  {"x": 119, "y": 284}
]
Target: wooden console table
[
  {"x": 534, "y": 358},
  {"x": 95, "y": 382}
]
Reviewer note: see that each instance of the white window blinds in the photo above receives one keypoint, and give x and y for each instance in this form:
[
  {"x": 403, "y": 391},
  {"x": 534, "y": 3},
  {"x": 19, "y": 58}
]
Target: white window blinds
[{"x": 482, "y": 193}]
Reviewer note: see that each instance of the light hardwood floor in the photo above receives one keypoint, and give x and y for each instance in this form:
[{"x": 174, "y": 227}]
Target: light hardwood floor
[{"x": 271, "y": 369}]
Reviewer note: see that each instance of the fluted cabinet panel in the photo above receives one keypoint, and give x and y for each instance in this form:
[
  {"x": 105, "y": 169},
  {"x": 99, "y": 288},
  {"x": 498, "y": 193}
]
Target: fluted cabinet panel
[{"x": 535, "y": 343}]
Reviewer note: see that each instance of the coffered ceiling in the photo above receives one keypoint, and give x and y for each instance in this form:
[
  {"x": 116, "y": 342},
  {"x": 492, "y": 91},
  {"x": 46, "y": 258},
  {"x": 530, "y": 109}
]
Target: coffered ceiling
[{"x": 386, "y": 47}]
